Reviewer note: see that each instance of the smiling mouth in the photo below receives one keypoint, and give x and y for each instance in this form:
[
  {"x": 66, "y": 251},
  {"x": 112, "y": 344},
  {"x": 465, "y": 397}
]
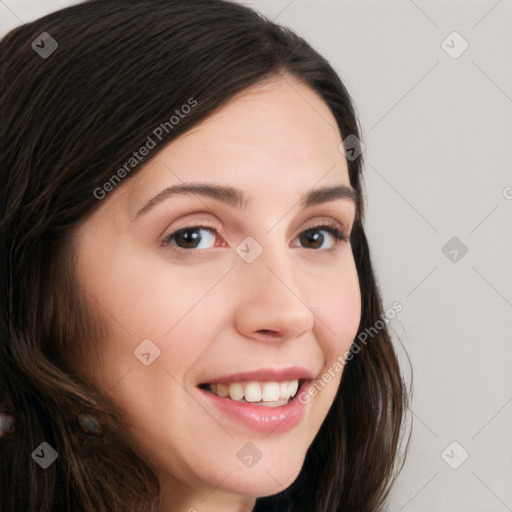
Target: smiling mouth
[{"x": 264, "y": 393}]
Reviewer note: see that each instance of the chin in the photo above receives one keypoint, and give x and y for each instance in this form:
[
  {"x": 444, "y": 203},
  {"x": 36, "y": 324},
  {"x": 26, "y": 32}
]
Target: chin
[{"x": 266, "y": 478}]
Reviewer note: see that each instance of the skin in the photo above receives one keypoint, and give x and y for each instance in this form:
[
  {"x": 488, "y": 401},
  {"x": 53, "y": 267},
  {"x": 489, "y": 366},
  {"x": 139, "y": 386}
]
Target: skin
[{"x": 212, "y": 313}]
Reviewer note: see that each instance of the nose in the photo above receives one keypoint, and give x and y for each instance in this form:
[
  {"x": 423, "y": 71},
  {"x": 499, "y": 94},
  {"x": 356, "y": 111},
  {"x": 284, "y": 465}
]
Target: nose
[{"x": 270, "y": 305}]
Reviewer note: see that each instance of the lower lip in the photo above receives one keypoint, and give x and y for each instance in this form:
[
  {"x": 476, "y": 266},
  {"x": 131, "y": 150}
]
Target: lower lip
[{"x": 268, "y": 420}]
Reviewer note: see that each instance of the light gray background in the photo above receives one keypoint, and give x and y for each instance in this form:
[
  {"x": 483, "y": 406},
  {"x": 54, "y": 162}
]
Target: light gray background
[{"x": 438, "y": 135}]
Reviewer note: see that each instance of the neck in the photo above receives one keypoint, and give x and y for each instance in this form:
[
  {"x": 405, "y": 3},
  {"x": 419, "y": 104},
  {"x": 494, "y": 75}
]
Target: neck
[{"x": 175, "y": 497}]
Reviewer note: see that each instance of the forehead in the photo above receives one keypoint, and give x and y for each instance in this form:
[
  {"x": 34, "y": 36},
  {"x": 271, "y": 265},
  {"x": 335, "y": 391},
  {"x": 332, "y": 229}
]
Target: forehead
[
  {"x": 272, "y": 139},
  {"x": 281, "y": 118}
]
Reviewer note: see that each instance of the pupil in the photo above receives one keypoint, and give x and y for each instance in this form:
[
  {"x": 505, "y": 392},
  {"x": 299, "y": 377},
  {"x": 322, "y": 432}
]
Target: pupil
[
  {"x": 189, "y": 237},
  {"x": 314, "y": 238}
]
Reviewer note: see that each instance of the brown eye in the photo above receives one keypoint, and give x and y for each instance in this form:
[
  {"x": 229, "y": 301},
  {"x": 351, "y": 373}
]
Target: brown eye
[
  {"x": 191, "y": 237},
  {"x": 314, "y": 238}
]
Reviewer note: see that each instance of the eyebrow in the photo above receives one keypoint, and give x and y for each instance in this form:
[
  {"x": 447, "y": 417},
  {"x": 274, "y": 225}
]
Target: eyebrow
[{"x": 237, "y": 198}]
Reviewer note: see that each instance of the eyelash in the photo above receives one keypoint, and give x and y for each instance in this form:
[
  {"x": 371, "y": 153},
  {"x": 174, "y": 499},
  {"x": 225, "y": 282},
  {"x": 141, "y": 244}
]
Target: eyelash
[{"x": 332, "y": 227}]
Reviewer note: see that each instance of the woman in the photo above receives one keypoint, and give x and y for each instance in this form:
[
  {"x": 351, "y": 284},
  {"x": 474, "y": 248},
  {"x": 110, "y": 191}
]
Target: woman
[{"x": 186, "y": 270}]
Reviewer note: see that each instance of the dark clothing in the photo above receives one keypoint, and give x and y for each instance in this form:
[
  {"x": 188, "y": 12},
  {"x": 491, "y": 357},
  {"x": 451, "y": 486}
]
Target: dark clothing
[{"x": 273, "y": 504}]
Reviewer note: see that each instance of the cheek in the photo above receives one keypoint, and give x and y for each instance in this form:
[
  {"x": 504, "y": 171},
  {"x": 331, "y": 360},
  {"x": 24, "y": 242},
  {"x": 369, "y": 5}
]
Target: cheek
[
  {"x": 142, "y": 301},
  {"x": 338, "y": 311},
  {"x": 154, "y": 300}
]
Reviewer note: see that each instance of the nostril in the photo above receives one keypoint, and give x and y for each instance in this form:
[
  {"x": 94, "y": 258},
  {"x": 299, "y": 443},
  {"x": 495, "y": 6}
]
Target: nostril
[{"x": 269, "y": 333}]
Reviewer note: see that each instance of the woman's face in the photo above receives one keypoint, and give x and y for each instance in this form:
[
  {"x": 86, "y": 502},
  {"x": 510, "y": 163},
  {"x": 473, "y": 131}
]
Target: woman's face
[{"x": 242, "y": 301}]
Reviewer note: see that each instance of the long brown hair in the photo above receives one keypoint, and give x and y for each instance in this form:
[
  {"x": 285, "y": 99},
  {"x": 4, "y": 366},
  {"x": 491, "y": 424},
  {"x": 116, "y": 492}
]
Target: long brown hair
[{"x": 70, "y": 119}]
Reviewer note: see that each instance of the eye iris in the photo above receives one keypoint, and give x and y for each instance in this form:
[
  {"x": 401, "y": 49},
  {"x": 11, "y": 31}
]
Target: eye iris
[
  {"x": 189, "y": 237},
  {"x": 315, "y": 238}
]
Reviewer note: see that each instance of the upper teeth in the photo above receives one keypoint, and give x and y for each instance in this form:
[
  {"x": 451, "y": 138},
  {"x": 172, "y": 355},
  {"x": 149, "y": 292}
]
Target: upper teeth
[{"x": 257, "y": 391}]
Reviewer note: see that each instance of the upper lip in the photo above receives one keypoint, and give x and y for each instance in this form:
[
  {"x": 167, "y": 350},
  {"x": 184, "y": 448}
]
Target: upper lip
[{"x": 266, "y": 374}]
